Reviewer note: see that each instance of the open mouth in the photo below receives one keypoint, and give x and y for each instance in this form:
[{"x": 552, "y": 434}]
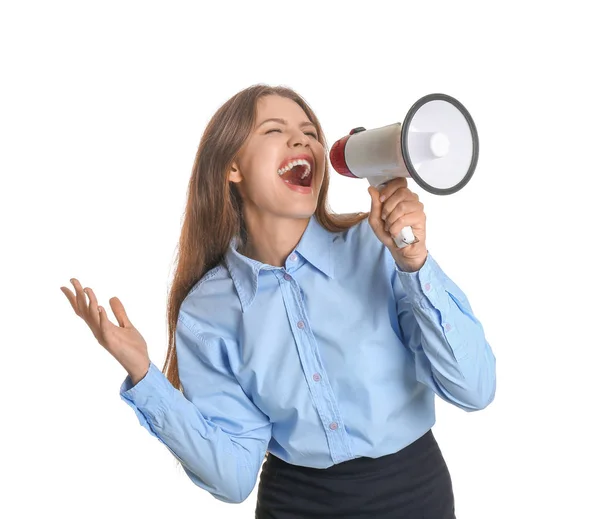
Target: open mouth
[{"x": 297, "y": 172}]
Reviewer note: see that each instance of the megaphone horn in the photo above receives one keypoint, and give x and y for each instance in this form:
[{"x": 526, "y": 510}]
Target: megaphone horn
[{"x": 437, "y": 146}]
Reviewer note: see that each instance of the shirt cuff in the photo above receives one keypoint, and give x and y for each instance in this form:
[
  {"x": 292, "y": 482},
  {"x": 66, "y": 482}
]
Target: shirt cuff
[
  {"x": 423, "y": 283},
  {"x": 149, "y": 397}
]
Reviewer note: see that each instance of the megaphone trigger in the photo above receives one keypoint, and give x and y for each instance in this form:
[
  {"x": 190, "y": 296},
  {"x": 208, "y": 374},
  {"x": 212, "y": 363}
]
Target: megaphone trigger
[{"x": 405, "y": 238}]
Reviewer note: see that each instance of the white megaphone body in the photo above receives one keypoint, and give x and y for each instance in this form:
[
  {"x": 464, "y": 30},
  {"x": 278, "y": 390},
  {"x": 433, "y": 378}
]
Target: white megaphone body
[{"x": 436, "y": 145}]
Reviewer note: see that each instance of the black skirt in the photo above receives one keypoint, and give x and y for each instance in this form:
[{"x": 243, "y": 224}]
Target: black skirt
[{"x": 409, "y": 484}]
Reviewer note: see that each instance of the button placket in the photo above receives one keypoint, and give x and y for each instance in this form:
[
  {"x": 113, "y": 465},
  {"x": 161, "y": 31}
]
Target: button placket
[{"x": 324, "y": 399}]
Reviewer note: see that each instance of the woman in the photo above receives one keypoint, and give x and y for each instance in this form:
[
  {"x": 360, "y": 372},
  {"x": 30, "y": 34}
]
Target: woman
[{"x": 301, "y": 334}]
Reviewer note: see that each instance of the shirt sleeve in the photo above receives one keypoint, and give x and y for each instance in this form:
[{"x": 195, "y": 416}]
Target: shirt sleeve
[
  {"x": 213, "y": 428},
  {"x": 437, "y": 324}
]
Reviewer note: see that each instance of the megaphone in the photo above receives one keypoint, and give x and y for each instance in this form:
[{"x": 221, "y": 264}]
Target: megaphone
[{"x": 436, "y": 145}]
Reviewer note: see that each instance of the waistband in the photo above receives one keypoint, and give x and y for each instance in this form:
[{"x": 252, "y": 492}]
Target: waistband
[{"x": 364, "y": 465}]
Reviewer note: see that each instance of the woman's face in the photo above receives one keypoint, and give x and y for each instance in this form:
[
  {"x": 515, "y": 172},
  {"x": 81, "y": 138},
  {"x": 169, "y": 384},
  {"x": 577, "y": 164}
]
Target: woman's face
[{"x": 280, "y": 168}]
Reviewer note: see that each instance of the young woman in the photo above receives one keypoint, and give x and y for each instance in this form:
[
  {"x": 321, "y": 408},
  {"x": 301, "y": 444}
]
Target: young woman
[{"x": 301, "y": 334}]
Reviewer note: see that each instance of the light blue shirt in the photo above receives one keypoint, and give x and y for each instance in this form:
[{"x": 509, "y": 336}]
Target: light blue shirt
[{"x": 336, "y": 355}]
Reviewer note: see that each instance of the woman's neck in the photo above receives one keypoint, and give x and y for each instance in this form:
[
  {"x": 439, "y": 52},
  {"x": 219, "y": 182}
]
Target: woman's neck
[{"x": 271, "y": 239}]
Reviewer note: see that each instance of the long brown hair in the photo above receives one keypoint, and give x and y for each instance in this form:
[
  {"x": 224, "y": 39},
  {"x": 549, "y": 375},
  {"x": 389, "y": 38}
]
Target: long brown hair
[{"x": 213, "y": 212}]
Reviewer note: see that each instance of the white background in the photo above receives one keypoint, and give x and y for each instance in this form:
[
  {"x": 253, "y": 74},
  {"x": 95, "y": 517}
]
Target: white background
[{"x": 101, "y": 110}]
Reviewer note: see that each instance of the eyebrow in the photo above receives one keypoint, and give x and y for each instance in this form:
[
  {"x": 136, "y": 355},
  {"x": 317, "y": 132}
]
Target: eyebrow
[{"x": 282, "y": 121}]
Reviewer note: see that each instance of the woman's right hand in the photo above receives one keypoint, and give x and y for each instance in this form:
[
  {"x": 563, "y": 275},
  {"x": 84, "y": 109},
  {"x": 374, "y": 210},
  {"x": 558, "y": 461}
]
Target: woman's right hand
[{"x": 123, "y": 342}]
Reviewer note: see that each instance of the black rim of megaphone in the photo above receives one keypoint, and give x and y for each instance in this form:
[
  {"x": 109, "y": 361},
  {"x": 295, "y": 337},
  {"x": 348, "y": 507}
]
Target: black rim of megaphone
[{"x": 404, "y": 144}]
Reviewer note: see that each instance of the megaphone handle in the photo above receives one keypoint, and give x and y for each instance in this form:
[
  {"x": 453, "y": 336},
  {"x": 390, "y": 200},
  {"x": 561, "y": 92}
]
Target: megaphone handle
[{"x": 406, "y": 236}]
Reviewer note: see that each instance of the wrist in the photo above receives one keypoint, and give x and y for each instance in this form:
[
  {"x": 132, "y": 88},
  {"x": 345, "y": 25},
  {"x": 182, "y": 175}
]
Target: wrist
[
  {"x": 138, "y": 374},
  {"x": 409, "y": 263}
]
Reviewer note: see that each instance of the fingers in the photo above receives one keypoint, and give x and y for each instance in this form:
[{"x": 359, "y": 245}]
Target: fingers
[
  {"x": 103, "y": 320},
  {"x": 375, "y": 214},
  {"x": 398, "y": 195},
  {"x": 106, "y": 325},
  {"x": 90, "y": 312},
  {"x": 82, "y": 302},
  {"x": 119, "y": 311},
  {"x": 375, "y": 203},
  {"x": 393, "y": 185},
  {"x": 406, "y": 208},
  {"x": 375, "y": 220},
  {"x": 414, "y": 220},
  {"x": 400, "y": 208},
  {"x": 93, "y": 308},
  {"x": 71, "y": 298},
  {"x": 394, "y": 208},
  {"x": 399, "y": 202},
  {"x": 77, "y": 300}
]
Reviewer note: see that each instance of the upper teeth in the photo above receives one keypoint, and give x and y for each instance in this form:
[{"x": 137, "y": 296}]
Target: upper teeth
[{"x": 299, "y": 162}]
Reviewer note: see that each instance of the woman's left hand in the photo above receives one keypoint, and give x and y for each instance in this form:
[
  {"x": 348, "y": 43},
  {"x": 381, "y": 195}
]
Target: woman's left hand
[{"x": 393, "y": 208}]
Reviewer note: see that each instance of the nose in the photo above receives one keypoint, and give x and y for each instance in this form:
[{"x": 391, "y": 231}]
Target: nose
[{"x": 299, "y": 138}]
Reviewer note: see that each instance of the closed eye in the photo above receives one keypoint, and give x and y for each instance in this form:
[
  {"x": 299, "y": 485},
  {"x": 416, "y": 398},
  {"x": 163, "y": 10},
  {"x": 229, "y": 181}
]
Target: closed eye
[{"x": 312, "y": 134}]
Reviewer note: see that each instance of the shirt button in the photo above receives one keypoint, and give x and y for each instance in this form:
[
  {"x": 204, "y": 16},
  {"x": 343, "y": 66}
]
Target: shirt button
[
  {"x": 333, "y": 426},
  {"x": 448, "y": 327},
  {"x": 293, "y": 257},
  {"x": 287, "y": 277},
  {"x": 427, "y": 287},
  {"x": 300, "y": 324},
  {"x": 316, "y": 377}
]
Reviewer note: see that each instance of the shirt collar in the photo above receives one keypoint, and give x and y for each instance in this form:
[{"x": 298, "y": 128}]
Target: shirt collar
[{"x": 315, "y": 246}]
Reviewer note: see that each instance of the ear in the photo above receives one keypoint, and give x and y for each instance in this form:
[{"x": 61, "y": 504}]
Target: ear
[{"x": 235, "y": 174}]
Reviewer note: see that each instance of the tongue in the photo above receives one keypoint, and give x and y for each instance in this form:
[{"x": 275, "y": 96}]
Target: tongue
[{"x": 293, "y": 176}]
